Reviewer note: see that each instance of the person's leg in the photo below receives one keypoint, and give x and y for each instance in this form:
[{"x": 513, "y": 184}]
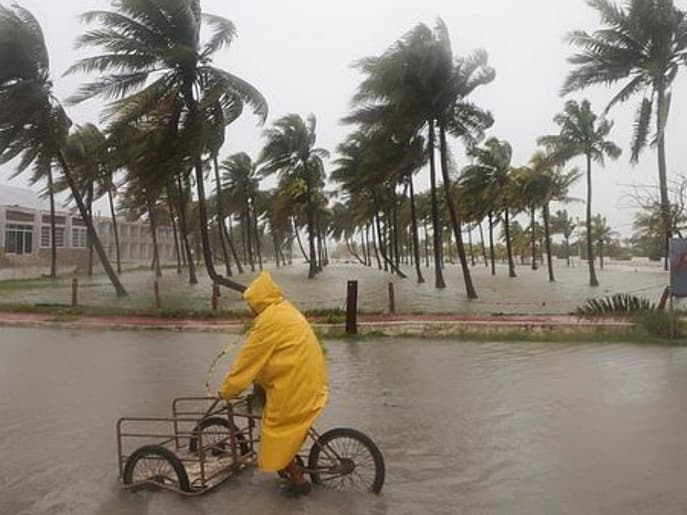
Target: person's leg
[
  {"x": 297, "y": 485},
  {"x": 295, "y": 473}
]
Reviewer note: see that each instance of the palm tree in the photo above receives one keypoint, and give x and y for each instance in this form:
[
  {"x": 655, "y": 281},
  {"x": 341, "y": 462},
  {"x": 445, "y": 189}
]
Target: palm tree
[
  {"x": 545, "y": 182},
  {"x": 290, "y": 151},
  {"x": 459, "y": 78},
  {"x": 155, "y": 60},
  {"x": 603, "y": 235},
  {"x": 564, "y": 224},
  {"x": 240, "y": 179},
  {"x": 400, "y": 91},
  {"x": 33, "y": 124},
  {"x": 645, "y": 44},
  {"x": 491, "y": 178},
  {"x": 582, "y": 133}
]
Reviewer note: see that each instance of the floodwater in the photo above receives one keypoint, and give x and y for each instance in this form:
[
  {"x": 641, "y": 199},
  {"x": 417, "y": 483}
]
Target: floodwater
[
  {"x": 465, "y": 428},
  {"x": 530, "y": 293}
]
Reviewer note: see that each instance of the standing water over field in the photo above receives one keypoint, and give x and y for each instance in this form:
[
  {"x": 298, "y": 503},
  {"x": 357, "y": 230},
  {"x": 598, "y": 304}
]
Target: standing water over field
[{"x": 465, "y": 427}]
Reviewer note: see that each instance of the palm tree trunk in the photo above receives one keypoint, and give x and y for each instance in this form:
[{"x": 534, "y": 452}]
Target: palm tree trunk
[
  {"x": 483, "y": 245},
  {"x": 205, "y": 234},
  {"x": 183, "y": 226},
  {"x": 248, "y": 231},
  {"x": 471, "y": 247},
  {"x": 662, "y": 169},
  {"x": 453, "y": 212},
  {"x": 593, "y": 281},
  {"x": 547, "y": 239},
  {"x": 492, "y": 250},
  {"x": 170, "y": 206},
  {"x": 382, "y": 246},
  {"x": 300, "y": 242},
  {"x": 153, "y": 232},
  {"x": 202, "y": 207},
  {"x": 220, "y": 217},
  {"x": 53, "y": 229},
  {"x": 601, "y": 255},
  {"x": 567, "y": 251},
  {"x": 363, "y": 245},
  {"x": 229, "y": 236},
  {"x": 424, "y": 224},
  {"x": 509, "y": 245},
  {"x": 533, "y": 222},
  {"x": 394, "y": 213},
  {"x": 258, "y": 249},
  {"x": 91, "y": 228},
  {"x": 115, "y": 228},
  {"x": 416, "y": 238},
  {"x": 313, "y": 268},
  {"x": 436, "y": 226},
  {"x": 112, "y": 275}
]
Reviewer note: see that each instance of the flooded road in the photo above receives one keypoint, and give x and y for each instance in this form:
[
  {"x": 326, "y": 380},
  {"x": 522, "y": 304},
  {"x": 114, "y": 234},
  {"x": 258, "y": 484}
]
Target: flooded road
[{"x": 465, "y": 428}]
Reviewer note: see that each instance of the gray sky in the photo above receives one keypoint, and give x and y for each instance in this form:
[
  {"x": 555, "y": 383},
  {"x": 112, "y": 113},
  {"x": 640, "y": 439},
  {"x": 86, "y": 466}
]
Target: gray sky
[{"x": 298, "y": 53}]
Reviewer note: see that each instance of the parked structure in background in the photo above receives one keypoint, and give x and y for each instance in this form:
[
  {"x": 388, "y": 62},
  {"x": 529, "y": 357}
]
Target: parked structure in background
[{"x": 25, "y": 235}]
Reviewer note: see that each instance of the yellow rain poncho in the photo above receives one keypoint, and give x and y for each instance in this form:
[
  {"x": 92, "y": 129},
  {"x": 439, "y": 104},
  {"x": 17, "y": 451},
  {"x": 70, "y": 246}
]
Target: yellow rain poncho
[{"x": 282, "y": 354}]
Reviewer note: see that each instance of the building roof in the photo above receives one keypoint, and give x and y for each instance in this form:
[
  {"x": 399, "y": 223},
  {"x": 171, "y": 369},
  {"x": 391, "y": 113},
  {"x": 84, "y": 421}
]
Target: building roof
[{"x": 11, "y": 196}]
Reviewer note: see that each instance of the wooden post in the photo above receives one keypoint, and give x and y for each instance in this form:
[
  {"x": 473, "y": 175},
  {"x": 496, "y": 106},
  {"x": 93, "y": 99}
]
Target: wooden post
[
  {"x": 75, "y": 292},
  {"x": 156, "y": 290},
  {"x": 215, "y": 297},
  {"x": 392, "y": 299},
  {"x": 352, "y": 307}
]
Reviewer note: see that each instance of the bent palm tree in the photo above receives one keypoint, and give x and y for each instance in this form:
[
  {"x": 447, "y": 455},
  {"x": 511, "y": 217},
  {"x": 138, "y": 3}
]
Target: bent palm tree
[
  {"x": 33, "y": 124},
  {"x": 645, "y": 44},
  {"x": 155, "y": 60},
  {"x": 290, "y": 151}
]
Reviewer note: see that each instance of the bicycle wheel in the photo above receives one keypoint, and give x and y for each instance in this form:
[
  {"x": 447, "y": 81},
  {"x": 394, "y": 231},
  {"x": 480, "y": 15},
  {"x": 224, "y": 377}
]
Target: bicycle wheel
[
  {"x": 216, "y": 437},
  {"x": 156, "y": 464},
  {"x": 346, "y": 459}
]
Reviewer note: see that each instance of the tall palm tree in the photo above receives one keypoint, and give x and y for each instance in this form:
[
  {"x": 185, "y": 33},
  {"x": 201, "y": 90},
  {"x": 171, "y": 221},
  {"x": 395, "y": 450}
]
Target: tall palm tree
[
  {"x": 545, "y": 182},
  {"x": 400, "y": 90},
  {"x": 582, "y": 133},
  {"x": 290, "y": 151},
  {"x": 643, "y": 43},
  {"x": 33, "y": 124},
  {"x": 459, "y": 77},
  {"x": 564, "y": 224},
  {"x": 240, "y": 179},
  {"x": 491, "y": 178},
  {"x": 603, "y": 235},
  {"x": 154, "y": 59}
]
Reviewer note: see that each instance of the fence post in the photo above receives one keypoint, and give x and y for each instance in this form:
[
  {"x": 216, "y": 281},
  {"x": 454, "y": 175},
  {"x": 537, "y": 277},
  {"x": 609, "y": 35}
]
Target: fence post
[
  {"x": 392, "y": 299},
  {"x": 75, "y": 292},
  {"x": 156, "y": 290},
  {"x": 352, "y": 307},
  {"x": 215, "y": 297}
]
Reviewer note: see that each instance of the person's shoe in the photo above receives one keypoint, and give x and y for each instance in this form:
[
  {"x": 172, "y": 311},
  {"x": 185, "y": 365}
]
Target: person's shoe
[{"x": 292, "y": 490}]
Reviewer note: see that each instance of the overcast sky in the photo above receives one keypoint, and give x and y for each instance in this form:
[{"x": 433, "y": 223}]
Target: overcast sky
[{"x": 299, "y": 52}]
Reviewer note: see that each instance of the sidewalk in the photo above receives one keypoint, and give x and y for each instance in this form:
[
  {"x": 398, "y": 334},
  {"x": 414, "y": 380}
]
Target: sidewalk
[{"x": 389, "y": 325}]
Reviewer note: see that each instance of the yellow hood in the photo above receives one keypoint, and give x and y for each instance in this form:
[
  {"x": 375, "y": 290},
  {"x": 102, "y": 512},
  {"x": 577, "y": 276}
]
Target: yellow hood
[{"x": 262, "y": 293}]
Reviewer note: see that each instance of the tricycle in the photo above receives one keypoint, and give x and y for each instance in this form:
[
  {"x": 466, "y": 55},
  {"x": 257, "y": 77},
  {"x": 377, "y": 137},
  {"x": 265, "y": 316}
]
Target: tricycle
[{"x": 207, "y": 441}]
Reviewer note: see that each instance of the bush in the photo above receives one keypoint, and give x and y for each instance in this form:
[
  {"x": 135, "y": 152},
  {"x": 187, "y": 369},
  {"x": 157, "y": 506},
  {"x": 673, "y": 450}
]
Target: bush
[{"x": 619, "y": 304}]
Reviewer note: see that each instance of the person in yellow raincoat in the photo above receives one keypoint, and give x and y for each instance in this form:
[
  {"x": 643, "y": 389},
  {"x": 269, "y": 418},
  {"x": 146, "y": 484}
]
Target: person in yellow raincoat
[{"x": 284, "y": 357}]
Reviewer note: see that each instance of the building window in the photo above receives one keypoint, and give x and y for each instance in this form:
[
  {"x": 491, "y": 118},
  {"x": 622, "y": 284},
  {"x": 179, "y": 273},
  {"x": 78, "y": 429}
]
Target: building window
[
  {"x": 79, "y": 238},
  {"x": 45, "y": 237},
  {"x": 18, "y": 239}
]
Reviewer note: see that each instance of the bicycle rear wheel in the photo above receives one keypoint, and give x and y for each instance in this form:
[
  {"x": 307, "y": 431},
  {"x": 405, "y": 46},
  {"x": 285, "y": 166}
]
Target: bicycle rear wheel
[{"x": 346, "y": 459}]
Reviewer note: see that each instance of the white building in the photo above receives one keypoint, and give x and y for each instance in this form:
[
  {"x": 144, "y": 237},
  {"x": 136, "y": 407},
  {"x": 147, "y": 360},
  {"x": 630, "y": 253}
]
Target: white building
[{"x": 25, "y": 235}]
